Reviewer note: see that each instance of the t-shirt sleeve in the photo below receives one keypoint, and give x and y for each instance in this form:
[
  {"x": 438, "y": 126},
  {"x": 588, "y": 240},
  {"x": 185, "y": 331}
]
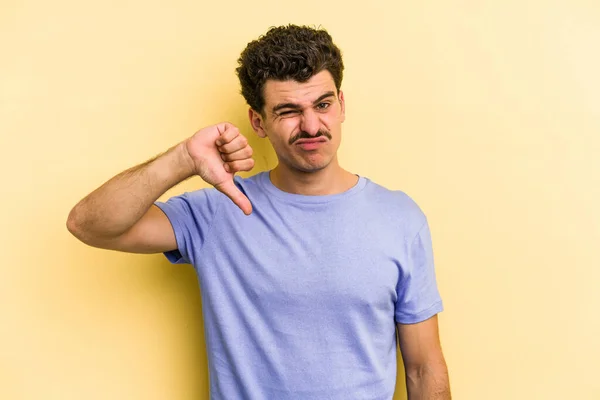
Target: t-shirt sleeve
[
  {"x": 418, "y": 296},
  {"x": 191, "y": 215}
]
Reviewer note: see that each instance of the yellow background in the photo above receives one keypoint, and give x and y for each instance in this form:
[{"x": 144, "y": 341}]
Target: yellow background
[{"x": 487, "y": 113}]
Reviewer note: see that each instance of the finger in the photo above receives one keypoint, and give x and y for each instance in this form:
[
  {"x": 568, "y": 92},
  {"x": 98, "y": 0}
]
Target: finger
[
  {"x": 236, "y": 144},
  {"x": 223, "y": 126},
  {"x": 239, "y": 199},
  {"x": 241, "y": 165},
  {"x": 242, "y": 154},
  {"x": 227, "y": 135}
]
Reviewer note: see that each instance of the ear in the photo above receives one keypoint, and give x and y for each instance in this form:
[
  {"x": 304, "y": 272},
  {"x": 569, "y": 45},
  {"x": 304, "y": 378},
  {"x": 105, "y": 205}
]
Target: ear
[
  {"x": 343, "y": 104},
  {"x": 257, "y": 123}
]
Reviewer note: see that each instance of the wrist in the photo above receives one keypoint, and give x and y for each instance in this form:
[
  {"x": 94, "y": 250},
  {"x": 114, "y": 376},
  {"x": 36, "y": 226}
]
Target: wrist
[{"x": 185, "y": 165}]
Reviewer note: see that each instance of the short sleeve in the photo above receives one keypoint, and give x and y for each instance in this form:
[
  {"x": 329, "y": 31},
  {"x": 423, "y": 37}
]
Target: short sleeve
[
  {"x": 191, "y": 215},
  {"x": 418, "y": 296}
]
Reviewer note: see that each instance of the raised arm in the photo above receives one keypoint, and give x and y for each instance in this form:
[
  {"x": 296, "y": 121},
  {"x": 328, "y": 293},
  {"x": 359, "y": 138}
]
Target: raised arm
[{"x": 120, "y": 215}]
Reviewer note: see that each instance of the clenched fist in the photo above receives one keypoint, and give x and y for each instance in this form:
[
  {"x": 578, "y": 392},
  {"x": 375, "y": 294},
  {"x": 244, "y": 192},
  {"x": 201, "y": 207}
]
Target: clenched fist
[{"x": 218, "y": 152}]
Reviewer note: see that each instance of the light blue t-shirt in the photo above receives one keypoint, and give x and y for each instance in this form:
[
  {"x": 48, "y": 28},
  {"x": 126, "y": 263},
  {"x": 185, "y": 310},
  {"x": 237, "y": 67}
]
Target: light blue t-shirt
[{"x": 300, "y": 298}]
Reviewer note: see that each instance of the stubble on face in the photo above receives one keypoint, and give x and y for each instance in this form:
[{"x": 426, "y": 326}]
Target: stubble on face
[{"x": 284, "y": 127}]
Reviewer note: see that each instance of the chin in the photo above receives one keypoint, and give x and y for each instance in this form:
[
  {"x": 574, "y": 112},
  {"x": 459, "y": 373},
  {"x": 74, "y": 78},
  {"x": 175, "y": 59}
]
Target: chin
[
  {"x": 310, "y": 167},
  {"x": 316, "y": 163}
]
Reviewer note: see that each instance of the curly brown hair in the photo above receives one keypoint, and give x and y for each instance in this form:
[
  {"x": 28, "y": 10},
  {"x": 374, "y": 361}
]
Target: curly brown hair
[{"x": 287, "y": 52}]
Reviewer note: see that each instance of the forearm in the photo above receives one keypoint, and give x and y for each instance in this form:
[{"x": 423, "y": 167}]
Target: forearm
[
  {"x": 118, "y": 204},
  {"x": 428, "y": 383}
]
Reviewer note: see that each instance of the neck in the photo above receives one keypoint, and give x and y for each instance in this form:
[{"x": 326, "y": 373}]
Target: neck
[{"x": 332, "y": 179}]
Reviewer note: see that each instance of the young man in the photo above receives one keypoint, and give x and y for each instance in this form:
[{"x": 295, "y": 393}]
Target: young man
[{"x": 304, "y": 288}]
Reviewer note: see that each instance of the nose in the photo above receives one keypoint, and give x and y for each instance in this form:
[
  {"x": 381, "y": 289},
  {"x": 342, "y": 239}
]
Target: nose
[{"x": 310, "y": 122}]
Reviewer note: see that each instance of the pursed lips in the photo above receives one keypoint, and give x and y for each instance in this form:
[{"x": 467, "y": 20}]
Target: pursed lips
[{"x": 310, "y": 144}]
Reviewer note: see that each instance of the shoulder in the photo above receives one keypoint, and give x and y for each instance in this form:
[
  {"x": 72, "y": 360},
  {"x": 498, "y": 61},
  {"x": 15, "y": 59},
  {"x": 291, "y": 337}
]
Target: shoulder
[
  {"x": 249, "y": 183},
  {"x": 398, "y": 206},
  {"x": 209, "y": 198},
  {"x": 250, "y": 186}
]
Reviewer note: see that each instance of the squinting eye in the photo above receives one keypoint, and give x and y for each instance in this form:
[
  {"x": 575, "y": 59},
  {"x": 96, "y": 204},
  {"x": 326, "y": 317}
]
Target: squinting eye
[{"x": 287, "y": 113}]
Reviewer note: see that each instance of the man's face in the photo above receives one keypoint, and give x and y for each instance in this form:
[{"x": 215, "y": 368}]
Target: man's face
[{"x": 303, "y": 121}]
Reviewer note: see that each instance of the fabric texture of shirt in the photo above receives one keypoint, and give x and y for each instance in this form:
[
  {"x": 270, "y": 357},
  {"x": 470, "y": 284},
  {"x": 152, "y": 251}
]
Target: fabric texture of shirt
[{"x": 300, "y": 298}]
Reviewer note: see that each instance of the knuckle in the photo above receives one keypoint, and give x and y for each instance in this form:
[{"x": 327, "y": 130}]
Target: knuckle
[{"x": 227, "y": 148}]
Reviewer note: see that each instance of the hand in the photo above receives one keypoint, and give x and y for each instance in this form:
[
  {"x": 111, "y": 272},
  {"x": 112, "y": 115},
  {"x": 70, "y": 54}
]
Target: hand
[{"x": 218, "y": 152}]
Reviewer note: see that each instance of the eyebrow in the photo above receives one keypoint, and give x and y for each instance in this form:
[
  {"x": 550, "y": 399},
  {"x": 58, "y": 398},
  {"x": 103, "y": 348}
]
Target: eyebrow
[{"x": 297, "y": 106}]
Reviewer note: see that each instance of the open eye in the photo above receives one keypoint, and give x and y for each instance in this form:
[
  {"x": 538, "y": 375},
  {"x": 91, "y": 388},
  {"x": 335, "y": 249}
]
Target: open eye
[{"x": 323, "y": 106}]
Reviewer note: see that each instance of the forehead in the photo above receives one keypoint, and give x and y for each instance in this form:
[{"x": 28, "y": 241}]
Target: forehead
[{"x": 291, "y": 91}]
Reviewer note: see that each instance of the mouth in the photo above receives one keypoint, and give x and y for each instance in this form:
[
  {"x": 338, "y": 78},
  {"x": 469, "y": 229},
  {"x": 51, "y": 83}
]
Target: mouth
[{"x": 311, "y": 144}]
